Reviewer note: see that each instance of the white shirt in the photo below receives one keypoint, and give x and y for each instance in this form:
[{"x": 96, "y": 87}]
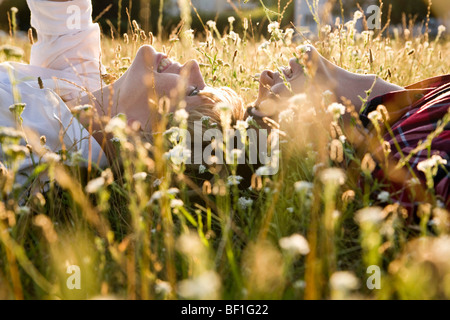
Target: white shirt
[{"x": 67, "y": 58}]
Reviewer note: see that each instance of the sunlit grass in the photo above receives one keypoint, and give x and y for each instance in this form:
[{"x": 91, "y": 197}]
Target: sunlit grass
[{"x": 309, "y": 232}]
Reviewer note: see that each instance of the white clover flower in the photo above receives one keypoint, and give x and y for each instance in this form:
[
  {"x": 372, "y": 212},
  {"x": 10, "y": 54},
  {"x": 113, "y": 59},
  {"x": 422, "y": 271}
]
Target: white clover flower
[
  {"x": 205, "y": 119},
  {"x": 383, "y": 196},
  {"x": 140, "y": 176},
  {"x": 344, "y": 281},
  {"x": 273, "y": 27},
  {"x": 290, "y": 209},
  {"x": 155, "y": 196},
  {"x": 301, "y": 186},
  {"x": 95, "y": 185},
  {"x": 304, "y": 48},
  {"x": 373, "y": 215},
  {"x": 176, "y": 203},
  {"x": 179, "y": 154},
  {"x": 201, "y": 169},
  {"x": 116, "y": 125},
  {"x": 173, "y": 191},
  {"x": 357, "y": 15},
  {"x": 51, "y": 157},
  {"x": 250, "y": 121},
  {"x": 241, "y": 125},
  {"x": 295, "y": 244},
  {"x": 181, "y": 115},
  {"x": 162, "y": 287},
  {"x": 245, "y": 203},
  {"x": 234, "y": 36},
  {"x": 211, "y": 24},
  {"x": 81, "y": 108},
  {"x": 431, "y": 163},
  {"x": 234, "y": 180},
  {"x": 337, "y": 109},
  {"x": 204, "y": 286},
  {"x": 333, "y": 175}
]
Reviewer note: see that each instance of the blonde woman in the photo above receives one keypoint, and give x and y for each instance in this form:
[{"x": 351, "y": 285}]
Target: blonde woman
[{"x": 66, "y": 71}]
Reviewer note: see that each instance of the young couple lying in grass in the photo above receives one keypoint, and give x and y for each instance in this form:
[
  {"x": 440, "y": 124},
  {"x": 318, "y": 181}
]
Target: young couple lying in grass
[{"x": 65, "y": 73}]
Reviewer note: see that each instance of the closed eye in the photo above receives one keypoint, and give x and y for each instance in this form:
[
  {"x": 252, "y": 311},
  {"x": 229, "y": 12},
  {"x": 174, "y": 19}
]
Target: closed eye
[{"x": 193, "y": 92}]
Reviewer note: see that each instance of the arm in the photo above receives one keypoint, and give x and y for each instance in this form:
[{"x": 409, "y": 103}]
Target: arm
[{"x": 68, "y": 40}]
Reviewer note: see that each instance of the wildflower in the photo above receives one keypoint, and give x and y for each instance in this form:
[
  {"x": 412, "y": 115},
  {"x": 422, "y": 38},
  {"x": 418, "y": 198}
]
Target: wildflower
[
  {"x": 245, "y": 23},
  {"x": 431, "y": 163},
  {"x": 244, "y": 203},
  {"x": 333, "y": 175},
  {"x": 241, "y": 125},
  {"x": 290, "y": 209},
  {"x": 51, "y": 157},
  {"x": 162, "y": 287},
  {"x": 140, "y": 176},
  {"x": 301, "y": 186},
  {"x": 201, "y": 169},
  {"x": 337, "y": 109},
  {"x": 383, "y": 196},
  {"x": 179, "y": 154},
  {"x": 250, "y": 121},
  {"x": 344, "y": 281},
  {"x": 204, "y": 286},
  {"x": 357, "y": 15},
  {"x": 373, "y": 215},
  {"x": 81, "y": 108},
  {"x": 181, "y": 116},
  {"x": 10, "y": 133},
  {"x": 234, "y": 180},
  {"x": 95, "y": 185},
  {"x": 116, "y": 125},
  {"x": 231, "y": 19},
  {"x": 273, "y": 27},
  {"x": 176, "y": 203},
  {"x": 295, "y": 244},
  {"x": 211, "y": 24}
]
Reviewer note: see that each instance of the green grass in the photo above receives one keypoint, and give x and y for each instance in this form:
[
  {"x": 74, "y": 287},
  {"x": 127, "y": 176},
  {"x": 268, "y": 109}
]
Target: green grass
[{"x": 129, "y": 247}]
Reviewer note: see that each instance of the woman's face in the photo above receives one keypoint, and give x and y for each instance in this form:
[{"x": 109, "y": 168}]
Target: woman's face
[
  {"x": 272, "y": 86},
  {"x": 166, "y": 78}
]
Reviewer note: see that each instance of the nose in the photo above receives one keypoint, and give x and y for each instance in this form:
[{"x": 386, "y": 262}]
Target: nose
[
  {"x": 266, "y": 81},
  {"x": 191, "y": 70},
  {"x": 269, "y": 78}
]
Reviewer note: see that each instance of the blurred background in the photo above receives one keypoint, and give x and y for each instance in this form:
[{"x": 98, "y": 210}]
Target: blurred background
[{"x": 147, "y": 13}]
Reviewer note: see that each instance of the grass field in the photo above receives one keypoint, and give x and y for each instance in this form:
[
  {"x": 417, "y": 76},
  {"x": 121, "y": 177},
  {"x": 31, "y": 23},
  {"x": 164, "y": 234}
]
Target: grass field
[{"x": 309, "y": 232}]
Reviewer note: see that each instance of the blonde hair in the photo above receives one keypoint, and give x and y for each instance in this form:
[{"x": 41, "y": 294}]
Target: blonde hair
[{"x": 213, "y": 98}]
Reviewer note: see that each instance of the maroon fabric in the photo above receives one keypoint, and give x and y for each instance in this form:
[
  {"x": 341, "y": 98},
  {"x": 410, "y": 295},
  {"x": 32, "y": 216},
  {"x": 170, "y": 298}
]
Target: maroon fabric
[{"x": 414, "y": 114}]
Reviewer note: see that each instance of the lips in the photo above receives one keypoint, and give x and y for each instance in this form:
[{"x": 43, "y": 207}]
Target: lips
[
  {"x": 288, "y": 73},
  {"x": 164, "y": 63}
]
